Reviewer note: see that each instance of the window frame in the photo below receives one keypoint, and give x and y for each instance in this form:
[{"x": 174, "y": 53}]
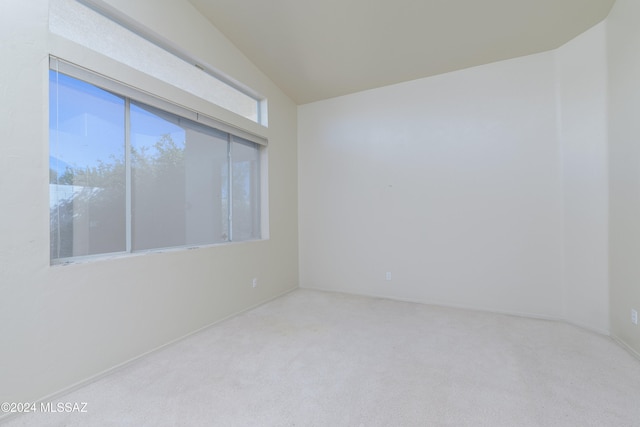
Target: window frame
[{"x": 133, "y": 94}]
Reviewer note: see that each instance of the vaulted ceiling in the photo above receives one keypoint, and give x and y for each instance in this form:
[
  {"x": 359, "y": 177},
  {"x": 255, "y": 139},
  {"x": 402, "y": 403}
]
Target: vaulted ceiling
[{"x": 318, "y": 49}]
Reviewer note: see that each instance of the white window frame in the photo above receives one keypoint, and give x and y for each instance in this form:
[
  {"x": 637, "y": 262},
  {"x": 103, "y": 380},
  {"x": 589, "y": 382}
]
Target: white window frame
[{"x": 133, "y": 93}]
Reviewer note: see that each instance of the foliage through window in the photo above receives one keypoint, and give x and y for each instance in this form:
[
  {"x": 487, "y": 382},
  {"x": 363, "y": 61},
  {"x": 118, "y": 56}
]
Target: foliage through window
[{"x": 126, "y": 176}]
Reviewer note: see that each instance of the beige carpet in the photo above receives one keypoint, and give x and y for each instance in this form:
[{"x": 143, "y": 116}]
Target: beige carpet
[{"x": 321, "y": 359}]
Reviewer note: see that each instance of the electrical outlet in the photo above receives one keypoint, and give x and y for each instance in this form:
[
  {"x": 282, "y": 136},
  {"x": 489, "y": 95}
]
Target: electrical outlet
[
  {"x": 634, "y": 316},
  {"x": 254, "y": 282},
  {"x": 388, "y": 275}
]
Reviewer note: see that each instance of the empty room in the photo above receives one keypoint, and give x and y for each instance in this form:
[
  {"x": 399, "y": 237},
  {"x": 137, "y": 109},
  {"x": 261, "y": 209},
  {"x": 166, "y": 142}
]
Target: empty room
[{"x": 409, "y": 213}]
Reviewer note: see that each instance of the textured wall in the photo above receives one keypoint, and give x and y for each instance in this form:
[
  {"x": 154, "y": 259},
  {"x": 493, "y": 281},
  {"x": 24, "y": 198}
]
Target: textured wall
[
  {"x": 451, "y": 183},
  {"x": 582, "y": 126}
]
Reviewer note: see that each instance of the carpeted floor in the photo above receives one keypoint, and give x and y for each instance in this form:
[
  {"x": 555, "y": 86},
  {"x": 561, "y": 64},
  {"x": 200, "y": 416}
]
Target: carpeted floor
[{"x": 323, "y": 359}]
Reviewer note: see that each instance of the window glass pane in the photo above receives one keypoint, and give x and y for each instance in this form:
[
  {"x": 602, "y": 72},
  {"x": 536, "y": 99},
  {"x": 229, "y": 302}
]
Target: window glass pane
[
  {"x": 245, "y": 156},
  {"x": 207, "y": 195},
  {"x": 86, "y": 169},
  {"x": 179, "y": 171}
]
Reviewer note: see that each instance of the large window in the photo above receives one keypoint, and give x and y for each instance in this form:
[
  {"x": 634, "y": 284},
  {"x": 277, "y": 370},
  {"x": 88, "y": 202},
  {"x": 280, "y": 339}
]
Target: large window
[{"x": 128, "y": 176}]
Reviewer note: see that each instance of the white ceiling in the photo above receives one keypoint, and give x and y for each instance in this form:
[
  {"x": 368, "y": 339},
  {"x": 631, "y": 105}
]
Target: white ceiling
[{"x": 318, "y": 49}]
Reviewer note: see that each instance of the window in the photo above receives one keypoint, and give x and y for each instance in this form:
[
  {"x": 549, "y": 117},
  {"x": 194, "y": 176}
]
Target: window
[{"x": 127, "y": 175}]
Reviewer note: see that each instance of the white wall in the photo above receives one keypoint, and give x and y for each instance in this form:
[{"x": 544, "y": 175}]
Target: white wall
[
  {"x": 582, "y": 123},
  {"x": 451, "y": 183},
  {"x": 479, "y": 188},
  {"x": 64, "y": 324},
  {"x": 623, "y": 46}
]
